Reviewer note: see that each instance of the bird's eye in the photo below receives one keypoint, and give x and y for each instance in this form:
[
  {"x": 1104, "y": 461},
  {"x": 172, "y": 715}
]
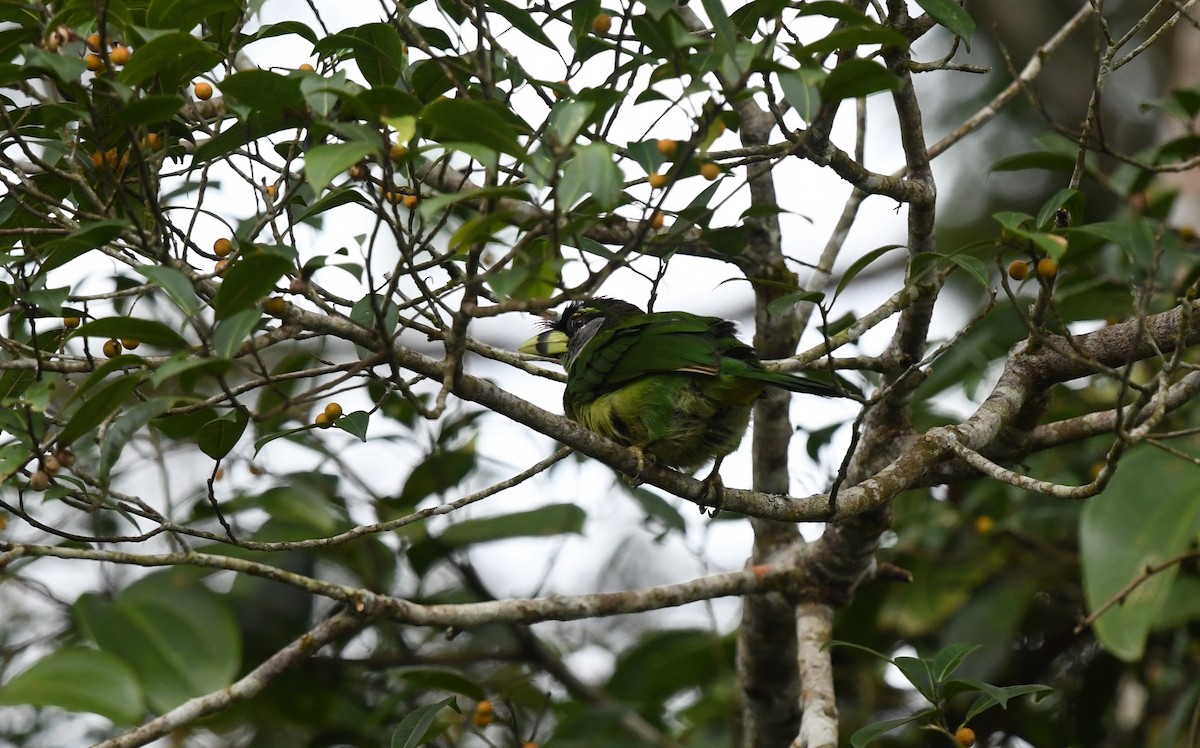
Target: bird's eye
[{"x": 574, "y": 322}]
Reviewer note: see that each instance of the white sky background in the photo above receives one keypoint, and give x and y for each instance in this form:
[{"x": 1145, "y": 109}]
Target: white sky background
[{"x": 814, "y": 199}]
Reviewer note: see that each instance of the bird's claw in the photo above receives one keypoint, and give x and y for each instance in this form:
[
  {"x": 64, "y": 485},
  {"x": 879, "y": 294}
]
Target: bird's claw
[
  {"x": 636, "y": 479},
  {"x": 714, "y": 487}
]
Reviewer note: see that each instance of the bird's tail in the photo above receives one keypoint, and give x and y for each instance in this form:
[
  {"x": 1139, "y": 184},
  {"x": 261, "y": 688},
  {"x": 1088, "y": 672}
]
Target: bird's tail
[{"x": 804, "y": 385}]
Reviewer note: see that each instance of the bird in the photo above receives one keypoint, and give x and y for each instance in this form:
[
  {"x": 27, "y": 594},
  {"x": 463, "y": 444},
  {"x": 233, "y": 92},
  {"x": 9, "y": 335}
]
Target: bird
[{"x": 672, "y": 386}]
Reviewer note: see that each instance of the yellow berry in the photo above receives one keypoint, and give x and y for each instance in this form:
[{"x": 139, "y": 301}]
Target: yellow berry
[
  {"x": 71, "y": 322},
  {"x": 710, "y": 170},
  {"x": 323, "y": 420},
  {"x": 153, "y": 141},
  {"x": 965, "y": 737},
  {"x": 130, "y": 343},
  {"x": 271, "y": 192},
  {"x": 397, "y": 152},
  {"x": 120, "y": 55},
  {"x": 93, "y": 42},
  {"x": 112, "y": 348},
  {"x": 1047, "y": 268},
  {"x": 410, "y": 201},
  {"x": 110, "y": 158},
  {"x": 393, "y": 197},
  {"x": 222, "y": 247},
  {"x": 333, "y": 411},
  {"x": 306, "y": 67},
  {"x": 98, "y": 159},
  {"x": 484, "y": 714},
  {"x": 984, "y": 524},
  {"x": 1187, "y": 233},
  {"x": 276, "y": 306},
  {"x": 656, "y": 180},
  {"x": 39, "y": 481},
  {"x": 221, "y": 268},
  {"x": 204, "y": 90},
  {"x": 93, "y": 62},
  {"x": 668, "y": 147},
  {"x": 1018, "y": 270},
  {"x": 602, "y": 23},
  {"x": 656, "y": 220}
]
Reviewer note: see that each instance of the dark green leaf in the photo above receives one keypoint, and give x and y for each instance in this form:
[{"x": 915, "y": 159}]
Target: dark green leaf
[
  {"x": 553, "y": 519},
  {"x": 186, "y": 14},
  {"x": 855, "y": 78},
  {"x": 379, "y": 52},
  {"x": 411, "y": 731},
  {"x": 950, "y": 14},
  {"x": 233, "y": 331},
  {"x": 803, "y": 90},
  {"x": 149, "y": 111},
  {"x": 146, "y": 330},
  {"x": 79, "y": 680},
  {"x": 98, "y": 406},
  {"x": 249, "y": 279},
  {"x": 265, "y": 92},
  {"x": 58, "y": 252},
  {"x": 438, "y": 473},
  {"x": 175, "y": 283},
  {"x": 354, "y": 424},
  {"x": 861, "y": 264},
  {"x": 324, "y": 162},
  {"x": 1059, "y": 162},
  {"x": 522, "y": 21},
  {"x": 220, "y": 435},
  {"x": 173, "y": 58},
  {"x": 865, "y": 735},
  {"x": 784, "y": 303},
  {"x": 455, "y": 121},
  {"x": 125, "y": 426}
]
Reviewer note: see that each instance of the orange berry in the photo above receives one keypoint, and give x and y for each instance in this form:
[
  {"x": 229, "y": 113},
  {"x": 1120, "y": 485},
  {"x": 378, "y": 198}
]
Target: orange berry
[
  {"x": 602, "y": 24},
  {"x": 397, "y": 152},
  {"x": 271, "y": 192},
  {"x": 668, "y": 147},
  {"x": 93, "y": 62},
  {"x": 323, "y": 420},
  {"x": 410, "y": 201},
  {"x": 333, "y": 411},
  {"x": 1018, "y": 270},
  {"x": 130, "y": 343},
  {"x": 484, "y": 714},
  {"x": 221, "y": 268},
  {"x": 276, "y": 306},
  {"x": 153, "y": 141},
  {"x": 222, "y": 247},
  {"x": 220, "y": 474},
  {"x": 657, "y": 181},
  {"x": 1047, "y": 268},
  {"x": 965, "y": 737},
  {"x": 71, "y": 322},
  {"x": 984, "y": 524},
  {"x": 112, "y": 348},
  {"x": 98, "y": 159},
  {"x": 204, "y": 90},
  {"x": 710, "y": 170},
  {"x": 93, "y": 42},
  {"x": 110, "y": 158},
  {"x": 306, "y": 67},
  {"x": 120, "y": 55},
  {"x": 393, "y": 197},
  {"x": 656, "y": 220}
]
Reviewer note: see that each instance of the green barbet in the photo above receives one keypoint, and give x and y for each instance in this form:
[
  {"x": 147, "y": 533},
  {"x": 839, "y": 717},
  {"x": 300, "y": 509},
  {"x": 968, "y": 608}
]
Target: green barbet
[{"x": 674, "y": 386}]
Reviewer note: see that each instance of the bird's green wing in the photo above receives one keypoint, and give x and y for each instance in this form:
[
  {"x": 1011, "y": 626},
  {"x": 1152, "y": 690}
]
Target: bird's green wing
[{"x": 649, "y": 344}]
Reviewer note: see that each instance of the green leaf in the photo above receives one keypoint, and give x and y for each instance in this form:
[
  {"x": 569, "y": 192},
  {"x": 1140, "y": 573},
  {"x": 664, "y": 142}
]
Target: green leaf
[
  {"x": 443, "y": 679},
  {"x": 999, "y": 695},
  {"x": 180, "y": 638},
  {"x": 412, "y": 730},
  {"x": 1127, "y": 528},
  {"x": 79, "y": 680},
  {"x": 803, "y": 90},
  {"x": 98, "y": 406},
  {"x": 324, "y": 162},
  {"x": 148, "y": 110},
  {"x": 549, "y": 520},
  {"x": 355, "y": 424},
  {"x": 146, "y": 330},
  {"x": 456, "y": 121},
  {"x": 972, "y": 265},
  {"x": 440, "y": 471},
  {"x": 866, "y": 734},
  {"x": 249, "y": 279},
  {"x": 723, "y": 28},
  {"x": 591, "y": 172},
  {"x": 917, "y": 671},
  {"x": 379, "y": 52},
  {"x": 233, "y": 331},
  {"x": 176, "y": 285},
  {"x": 173, "y": 58},
  {"x": 855, "y": 78},
  {"x": 861, "y": 264},
  {"x": 1059, "y": 162},
  {"x": 125, "y": 426},
  {"x": 522, "y": 21},
  {"x": 266, "y": 92},
  {"x": 186, "y": 14},
  {"x": 784, "y": 303},
  {"x": 220, "y": 435},
  {"x": 951, "y": 15},
  {"x": 58, "y": 252},
  {"x": 431, "y": 207}
]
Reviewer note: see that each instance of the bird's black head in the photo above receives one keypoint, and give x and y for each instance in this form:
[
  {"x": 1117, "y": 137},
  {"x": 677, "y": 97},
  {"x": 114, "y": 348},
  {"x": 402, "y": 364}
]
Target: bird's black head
[{"x": 592, "y": 316}]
